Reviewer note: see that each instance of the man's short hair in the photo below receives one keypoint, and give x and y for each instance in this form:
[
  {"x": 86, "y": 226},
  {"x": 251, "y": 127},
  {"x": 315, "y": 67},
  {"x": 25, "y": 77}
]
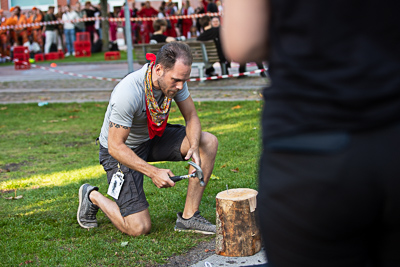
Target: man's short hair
[
  {"x": 205, "y": 21},
  {"x": 158, "y": 23},
  {"x": 171, "y": 52}
]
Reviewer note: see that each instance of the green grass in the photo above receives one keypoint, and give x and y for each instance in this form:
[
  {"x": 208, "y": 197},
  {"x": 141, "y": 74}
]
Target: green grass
[
  {"x": 50, "y": 151},
  {"x": 94, "y": 58}
]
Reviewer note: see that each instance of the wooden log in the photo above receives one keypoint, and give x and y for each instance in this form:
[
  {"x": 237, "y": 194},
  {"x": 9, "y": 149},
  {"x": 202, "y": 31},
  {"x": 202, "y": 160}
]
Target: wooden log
[{"x": 238, "y": 231}]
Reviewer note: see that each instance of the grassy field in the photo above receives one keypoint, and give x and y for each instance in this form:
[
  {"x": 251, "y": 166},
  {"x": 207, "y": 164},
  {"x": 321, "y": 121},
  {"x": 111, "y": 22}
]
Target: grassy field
[
  {"x": 95, "y": 57},
  {"x": 48, "y": 152}
]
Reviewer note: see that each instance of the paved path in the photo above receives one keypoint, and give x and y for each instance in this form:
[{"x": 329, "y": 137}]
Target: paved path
[{"x": 37, "y": 85}]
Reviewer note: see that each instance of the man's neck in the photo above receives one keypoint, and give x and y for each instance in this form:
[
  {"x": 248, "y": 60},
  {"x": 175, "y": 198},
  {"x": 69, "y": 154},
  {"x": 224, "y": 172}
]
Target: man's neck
[{"x": 154, "y": 78}]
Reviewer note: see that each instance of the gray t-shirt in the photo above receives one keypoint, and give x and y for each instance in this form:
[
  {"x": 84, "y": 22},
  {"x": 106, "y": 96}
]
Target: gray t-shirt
[{"x": 127, "y": 107}]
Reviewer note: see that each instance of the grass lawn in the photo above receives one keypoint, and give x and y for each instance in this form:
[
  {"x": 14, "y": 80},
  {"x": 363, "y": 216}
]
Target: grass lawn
[
  {"x": 48, "y": 152},
  {"x": 95, "y": 57}
]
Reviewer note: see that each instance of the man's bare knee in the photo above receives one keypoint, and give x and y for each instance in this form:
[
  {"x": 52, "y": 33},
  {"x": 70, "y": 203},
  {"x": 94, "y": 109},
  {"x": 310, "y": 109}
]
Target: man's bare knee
[
  {"x": 209, "y": 142},
  {"x": 137, "y": 224},
  {"x": 139, "y": 229}
]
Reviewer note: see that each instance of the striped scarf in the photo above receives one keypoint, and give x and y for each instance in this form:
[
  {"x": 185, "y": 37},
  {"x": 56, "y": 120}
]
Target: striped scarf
[{"x": 157, "y": 116}]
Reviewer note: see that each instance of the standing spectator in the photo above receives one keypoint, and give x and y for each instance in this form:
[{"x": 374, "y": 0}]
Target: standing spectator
[
  {"x": 60, "y": 29},
  {"x": 147, "y": 12},
  {"x": 219, "y": 5},
  {"x": 172, "y": 22},
  {"x": 199, "y": 10},
  {"x": 20, "y": 32},
  {"x": 79, "y": 26},
  {"x": 212, "y": 7},
  {"x": 69, "y": 29},
  {"x": 113, "y": 25},
  {"x": 50, "y": 30},
  {"x": 97, "y": 22},
  {"x": 133, "y": 12},
  {"x": 3, "y": 35},
  {"x": 187, "y": 23},
  {"x": 89, "y": 25},
  {"x": 328, "y": 178},
  {"x": 37, "y": 29}
]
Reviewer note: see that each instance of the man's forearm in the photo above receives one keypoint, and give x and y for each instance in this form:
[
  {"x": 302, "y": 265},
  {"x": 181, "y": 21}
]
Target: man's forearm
[{"x": 193, "y": 132}]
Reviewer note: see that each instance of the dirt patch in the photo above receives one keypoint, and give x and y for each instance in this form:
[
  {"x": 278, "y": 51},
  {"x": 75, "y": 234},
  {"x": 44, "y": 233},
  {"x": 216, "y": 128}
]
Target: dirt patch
[
  {"x": 193, "y": 256},
  {"x": 12, "y": 167}
]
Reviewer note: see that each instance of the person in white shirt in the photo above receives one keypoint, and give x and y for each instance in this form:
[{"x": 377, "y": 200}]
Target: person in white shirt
[{"x": 69, "y": 29}]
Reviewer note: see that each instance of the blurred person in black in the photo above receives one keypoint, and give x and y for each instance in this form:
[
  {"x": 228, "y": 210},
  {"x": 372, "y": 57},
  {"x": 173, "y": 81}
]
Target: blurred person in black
[
  {"x": 329, "y": 172},
  {"x": 212, "y": 33},
  {"x": 90, "y": 10}
]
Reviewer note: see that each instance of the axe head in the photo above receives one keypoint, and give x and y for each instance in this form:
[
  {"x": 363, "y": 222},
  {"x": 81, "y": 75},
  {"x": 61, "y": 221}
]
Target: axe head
[{"x": 198, "y": 173}]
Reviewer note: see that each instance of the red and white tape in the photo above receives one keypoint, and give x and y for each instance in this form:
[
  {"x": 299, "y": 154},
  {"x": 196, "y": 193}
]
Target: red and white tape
[
  {"x": 117, "y": 80},
  {"x": 9, "y": 27}
]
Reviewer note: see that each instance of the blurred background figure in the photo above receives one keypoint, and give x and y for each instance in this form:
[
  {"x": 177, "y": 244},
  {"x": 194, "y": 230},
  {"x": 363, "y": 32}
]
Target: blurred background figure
[
  {"x": 69, "y": 29},
  {"x": 187, "y": 9},
  {"x": 133, "y": 12},
  {"x": 37, "y": 17},
  {"x": 212, "y": 7},
  {"x": 211, "y": 33},
  {"x": 80, "y": 26},
  {"x": 215, "y": 23},
  {"x": 90, "y": 10},
  {"x": 147, "y": 26},
  {"x": 50, "y": 31},
  {"x": 20, "y": 33},
  {"x": 160, "y": 26}
]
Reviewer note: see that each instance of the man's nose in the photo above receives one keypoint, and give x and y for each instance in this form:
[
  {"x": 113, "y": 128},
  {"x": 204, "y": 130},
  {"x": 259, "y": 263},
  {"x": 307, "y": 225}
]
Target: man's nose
[{"x": 179, "y": 85}]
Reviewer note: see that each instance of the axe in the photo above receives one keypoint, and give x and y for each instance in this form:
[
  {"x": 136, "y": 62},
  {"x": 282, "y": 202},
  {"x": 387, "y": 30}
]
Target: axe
[{"x": 198, "y": 173}]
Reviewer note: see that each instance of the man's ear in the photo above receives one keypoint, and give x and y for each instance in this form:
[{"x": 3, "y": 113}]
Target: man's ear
[{"x": 159, "y": 70}]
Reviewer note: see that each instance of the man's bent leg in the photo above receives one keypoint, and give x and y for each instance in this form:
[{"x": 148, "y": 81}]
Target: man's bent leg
[
  {"x": 208, "y": 151},
  {"x": 129, "y": 213},
  {"x": 134, "y": 224}
]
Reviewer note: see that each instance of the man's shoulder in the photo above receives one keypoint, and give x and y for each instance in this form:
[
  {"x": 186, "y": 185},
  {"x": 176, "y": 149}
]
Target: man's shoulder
[{"x": 131, "y": 86}]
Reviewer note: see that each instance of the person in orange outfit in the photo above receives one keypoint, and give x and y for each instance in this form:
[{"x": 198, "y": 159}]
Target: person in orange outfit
[
  {"x": 36, "y": 31},
  {"x": 20, "y": 33},
  {"x": 8, "y": 37},
  {"x": 3, "y": 34}
]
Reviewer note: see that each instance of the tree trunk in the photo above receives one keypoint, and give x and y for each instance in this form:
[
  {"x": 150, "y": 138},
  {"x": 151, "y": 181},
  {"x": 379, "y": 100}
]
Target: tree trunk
[
  {"x": 105, "y": 26},
  {"x": 238, "y": 231}
]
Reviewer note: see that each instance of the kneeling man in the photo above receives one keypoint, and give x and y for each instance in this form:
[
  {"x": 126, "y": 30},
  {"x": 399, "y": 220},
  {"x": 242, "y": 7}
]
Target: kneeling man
[{"x": 135, "y": 132}]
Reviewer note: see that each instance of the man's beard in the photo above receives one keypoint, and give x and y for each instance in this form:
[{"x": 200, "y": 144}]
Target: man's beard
[{"x": 164, "y": 88}]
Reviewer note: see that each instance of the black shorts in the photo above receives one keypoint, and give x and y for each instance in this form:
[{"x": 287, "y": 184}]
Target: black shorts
[
  {"x": 132, "y": 198},
  {"x": 331, "y": 199}
]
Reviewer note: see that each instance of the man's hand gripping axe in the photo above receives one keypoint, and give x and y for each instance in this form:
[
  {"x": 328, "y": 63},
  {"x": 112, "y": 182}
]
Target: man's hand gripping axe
[{"x": 198, "y": 173}]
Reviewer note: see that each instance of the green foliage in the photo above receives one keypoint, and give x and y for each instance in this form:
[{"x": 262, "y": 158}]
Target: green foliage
[{"x": 48, "y": 152}]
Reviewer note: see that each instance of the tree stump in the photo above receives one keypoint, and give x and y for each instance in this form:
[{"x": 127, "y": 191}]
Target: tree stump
[{"x": 238, "y": 231}]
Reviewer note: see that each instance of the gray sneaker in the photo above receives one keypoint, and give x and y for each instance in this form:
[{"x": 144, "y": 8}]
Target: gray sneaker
[
  {"x": 196, "y": 224},
  {"x": 87, "y": 210}
]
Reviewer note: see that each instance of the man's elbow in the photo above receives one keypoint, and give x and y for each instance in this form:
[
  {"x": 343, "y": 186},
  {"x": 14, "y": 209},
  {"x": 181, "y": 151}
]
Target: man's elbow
[
  {"x": 245, "y": 53},
  {"x": 113, "y": 148}
]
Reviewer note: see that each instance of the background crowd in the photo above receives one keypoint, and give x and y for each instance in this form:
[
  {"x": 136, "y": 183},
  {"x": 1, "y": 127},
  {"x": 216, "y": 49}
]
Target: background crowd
[
  {"x": 54, "y": 37},
  {"x": 61, "y": 36}
]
